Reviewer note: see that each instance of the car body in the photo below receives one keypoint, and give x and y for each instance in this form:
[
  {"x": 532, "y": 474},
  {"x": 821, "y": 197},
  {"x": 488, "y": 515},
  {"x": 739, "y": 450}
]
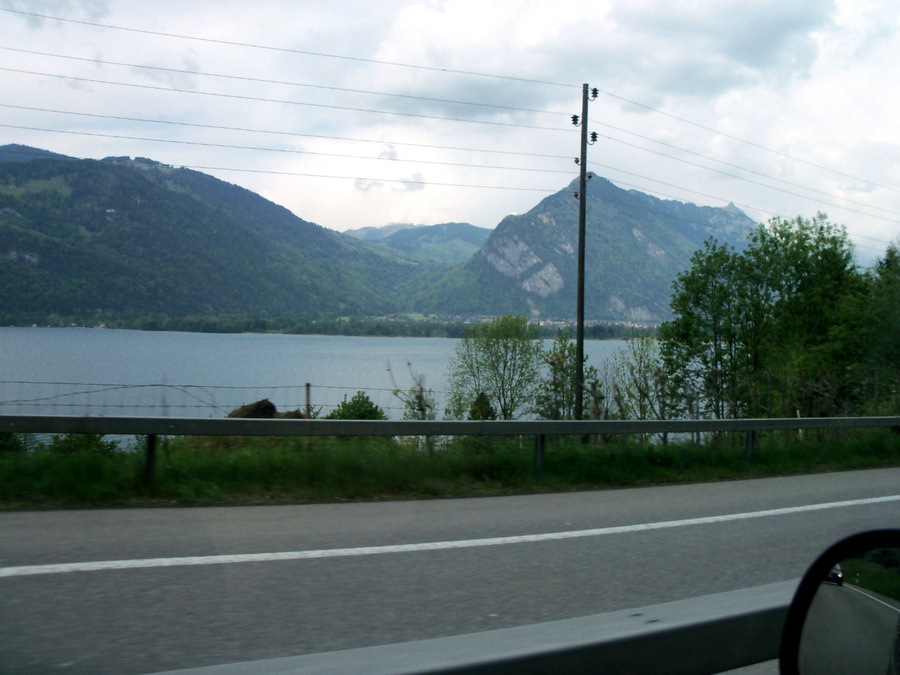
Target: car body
[{"x": 835, "y": 576}]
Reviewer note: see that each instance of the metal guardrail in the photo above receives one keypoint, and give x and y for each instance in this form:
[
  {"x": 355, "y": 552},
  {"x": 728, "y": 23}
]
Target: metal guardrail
[
  {"x": 152, "y": 427},
  {"x": 189, "y": 426}
]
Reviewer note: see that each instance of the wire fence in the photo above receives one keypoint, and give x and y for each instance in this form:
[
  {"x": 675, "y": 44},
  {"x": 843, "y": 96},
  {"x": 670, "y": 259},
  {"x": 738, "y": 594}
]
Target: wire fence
[{"x": 22, "y": 397}]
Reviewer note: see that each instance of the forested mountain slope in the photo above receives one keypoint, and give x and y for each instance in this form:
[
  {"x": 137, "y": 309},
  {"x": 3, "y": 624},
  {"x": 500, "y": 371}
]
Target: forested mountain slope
[
  {"x": 122, "y": 237},
  {"x": 635, "y": 246}
]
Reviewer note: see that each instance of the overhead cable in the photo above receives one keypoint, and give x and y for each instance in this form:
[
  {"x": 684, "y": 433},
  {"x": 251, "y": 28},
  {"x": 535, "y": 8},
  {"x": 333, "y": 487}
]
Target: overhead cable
[
  {"x": 289, "y": 50},
  {"x": 281, "y": 102}
]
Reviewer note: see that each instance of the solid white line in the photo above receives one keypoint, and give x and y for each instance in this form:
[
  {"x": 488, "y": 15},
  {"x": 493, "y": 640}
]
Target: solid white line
[
  {"x": 872, "y": 597},
  {"x": 103, "y": 565}
]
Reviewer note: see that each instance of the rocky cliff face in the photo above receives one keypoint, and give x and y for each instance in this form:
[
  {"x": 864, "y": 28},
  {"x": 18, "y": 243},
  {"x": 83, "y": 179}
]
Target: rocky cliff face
[{"x": 635, "y": 246}]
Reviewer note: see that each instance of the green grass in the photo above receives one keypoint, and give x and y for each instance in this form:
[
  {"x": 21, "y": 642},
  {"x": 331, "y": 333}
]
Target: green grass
[
  {"x": 88, "y": 471},
  {"x": 873, "y": 576}
]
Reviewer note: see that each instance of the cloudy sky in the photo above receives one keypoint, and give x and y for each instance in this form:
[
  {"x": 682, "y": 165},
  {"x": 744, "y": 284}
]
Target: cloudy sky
[{"x": 362, "y": 113}]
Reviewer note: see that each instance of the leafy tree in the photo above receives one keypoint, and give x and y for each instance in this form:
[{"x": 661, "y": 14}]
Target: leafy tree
[
  {"x": 360, "y": 407},
  {"x": 502, "y": 359},
  {"x": 877, "y": 329},
  {"x": 765, "y": 331},
  {"x": 418, "y": 403},
  {"x": 481, "y": 408},
  {"x": 640, "y": 381},
  {"x": 812, "y": 281},
  {"x": 556, "y": 398},
  {"x": 700, "y": 345}
]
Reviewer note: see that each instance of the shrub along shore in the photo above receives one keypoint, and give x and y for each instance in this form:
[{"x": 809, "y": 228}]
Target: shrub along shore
[{"x": 92, "y": 471}]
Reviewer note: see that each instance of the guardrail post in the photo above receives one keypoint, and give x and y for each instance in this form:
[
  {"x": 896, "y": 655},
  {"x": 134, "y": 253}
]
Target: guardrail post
[
  {"x": 539, "y": 452},
  {"x": 751, "y": 441},
  {"x": 150, "y": 475}
]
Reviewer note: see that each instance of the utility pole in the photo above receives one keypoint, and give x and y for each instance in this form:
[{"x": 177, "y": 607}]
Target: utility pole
[{"x": 582, "y": 216}]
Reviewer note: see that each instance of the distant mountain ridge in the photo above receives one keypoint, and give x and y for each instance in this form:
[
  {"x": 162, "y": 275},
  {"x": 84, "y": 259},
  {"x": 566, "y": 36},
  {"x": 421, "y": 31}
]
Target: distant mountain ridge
[
  {"x": 132, "y": 237},
  {"x": 635, "y": 246},
  {"x": 22, "y": 153},
  {"x": 377, "y": 233},
  {"x": 122, "y": 237},
  {"x": 444, "y": 243}
]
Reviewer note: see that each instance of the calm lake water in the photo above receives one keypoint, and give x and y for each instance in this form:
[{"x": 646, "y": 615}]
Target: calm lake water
[{"x": 75, "y": 371}]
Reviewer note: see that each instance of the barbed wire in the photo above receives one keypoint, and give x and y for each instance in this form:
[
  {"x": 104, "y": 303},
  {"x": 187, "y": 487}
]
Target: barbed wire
[{"x": 82, "y": 397}]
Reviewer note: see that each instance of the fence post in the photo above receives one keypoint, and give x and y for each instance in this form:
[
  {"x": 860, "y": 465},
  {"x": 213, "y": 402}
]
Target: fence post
[
  {"x": 150, "y": 475},
  {"x": 751, "y": 441},
  {"x": 539, "y": 452},
  {"x": 308, "y": 402}
]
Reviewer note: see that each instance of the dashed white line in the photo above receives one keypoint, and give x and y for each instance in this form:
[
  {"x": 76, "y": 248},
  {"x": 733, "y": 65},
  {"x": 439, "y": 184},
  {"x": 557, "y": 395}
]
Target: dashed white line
[{"x": 106, "y": 565}]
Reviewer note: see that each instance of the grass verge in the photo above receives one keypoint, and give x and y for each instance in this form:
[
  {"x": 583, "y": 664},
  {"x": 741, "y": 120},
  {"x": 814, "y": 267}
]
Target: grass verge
[{"x": 91, "y": 471}]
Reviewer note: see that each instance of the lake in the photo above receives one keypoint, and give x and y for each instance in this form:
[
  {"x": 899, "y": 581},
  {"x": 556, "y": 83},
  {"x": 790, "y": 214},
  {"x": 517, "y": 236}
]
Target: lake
[{"x": 78, "y": 371}]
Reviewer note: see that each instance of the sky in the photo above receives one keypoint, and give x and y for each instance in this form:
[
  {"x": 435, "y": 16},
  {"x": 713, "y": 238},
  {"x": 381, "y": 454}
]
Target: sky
[{"x": 360, "y": 113}]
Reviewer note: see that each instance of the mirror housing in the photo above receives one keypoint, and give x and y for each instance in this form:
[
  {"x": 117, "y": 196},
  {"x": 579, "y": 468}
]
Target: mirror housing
[{"x": 830, "y": 569}]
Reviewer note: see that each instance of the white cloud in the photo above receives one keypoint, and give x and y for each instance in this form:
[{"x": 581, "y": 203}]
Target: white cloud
[{"x": 805, "y": 92}]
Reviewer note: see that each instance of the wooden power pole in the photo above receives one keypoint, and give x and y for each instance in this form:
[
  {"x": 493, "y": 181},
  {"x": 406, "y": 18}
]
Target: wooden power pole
[{"x": 582, "y": 216}]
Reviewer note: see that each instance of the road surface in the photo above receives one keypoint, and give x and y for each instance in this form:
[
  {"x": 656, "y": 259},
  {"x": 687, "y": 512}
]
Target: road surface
[{"x": 142, "y": 590}]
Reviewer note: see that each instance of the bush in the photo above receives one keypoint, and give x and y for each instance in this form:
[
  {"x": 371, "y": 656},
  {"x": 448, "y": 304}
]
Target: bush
[
  {"x": 360, "y": 407},
  {"x": 10, "y": 443},
  {"x": 69, "y": 443}
]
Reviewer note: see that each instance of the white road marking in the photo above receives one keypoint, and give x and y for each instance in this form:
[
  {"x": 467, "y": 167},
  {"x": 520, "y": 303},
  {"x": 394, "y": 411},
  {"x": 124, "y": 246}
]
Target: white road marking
[
  {"x": 872, "y": 597},
  {"x": 104, "y": 565}
]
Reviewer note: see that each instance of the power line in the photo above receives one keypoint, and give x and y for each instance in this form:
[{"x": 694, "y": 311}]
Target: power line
[
  {"x": 745, "y": 141},
  {"x": 287, "y": 83},
  {"x": 289, "y": 51},
  {"x": 770, "y": 187},
  {"x": 216, "y": 127},
  {"x": 443, "y": 118},
  {"x": 469, "y": 165},
  {"x": 658, "y": 193},
  {"x": 450, "y": 71},
  {"x": 404, "y": 181},
  {"x": 729, "y": 164},
  {"x": 279, "y": 150},
  {"x": 642, "y": 188},
  {"x": 282, "y": 102}
]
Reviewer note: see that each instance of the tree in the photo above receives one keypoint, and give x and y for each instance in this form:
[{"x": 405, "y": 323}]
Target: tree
[
  {"x": 502, "y": 359},
  {"x": 418, "y": 402},
  {"x": 700, "y": 345},
  {"x": 481, "y": 408},
  {"x": 877, "y": 328},
  {"x": 640, "y": 381},
  {"x": 556, "y": 398},
  {"x": 360, "y": 407},
  {"x": 812, "y": 281},
  {"x": 765, "y": 331}
]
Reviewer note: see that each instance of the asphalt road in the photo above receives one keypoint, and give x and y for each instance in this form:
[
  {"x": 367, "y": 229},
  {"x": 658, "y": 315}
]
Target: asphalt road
[
  {"x": 848, "y": 630},
  {"x": 377, "y": 573}
]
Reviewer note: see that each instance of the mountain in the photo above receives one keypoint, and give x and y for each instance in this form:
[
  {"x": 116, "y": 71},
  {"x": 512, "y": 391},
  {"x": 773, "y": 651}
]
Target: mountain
[
  {"x": 445, "y": 244},
  {"x": 379, "y": 233},
  {"x": 22, "y": 153},
  {"x": 124, "y": 237},
  {"x": 131, "y": 238},
  {"x": 635, "y": 246}
]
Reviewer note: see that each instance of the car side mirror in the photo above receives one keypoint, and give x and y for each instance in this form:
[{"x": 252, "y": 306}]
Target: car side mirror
[{"x": 845, "y": 616}]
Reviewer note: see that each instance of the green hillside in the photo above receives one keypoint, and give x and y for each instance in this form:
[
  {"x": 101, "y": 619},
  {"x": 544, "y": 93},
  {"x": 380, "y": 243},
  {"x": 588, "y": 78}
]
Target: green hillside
[
  {"x": 446, "y": 243},
  {"x": 635, "y": 246},
  {"x": 127, "y": 238}
]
